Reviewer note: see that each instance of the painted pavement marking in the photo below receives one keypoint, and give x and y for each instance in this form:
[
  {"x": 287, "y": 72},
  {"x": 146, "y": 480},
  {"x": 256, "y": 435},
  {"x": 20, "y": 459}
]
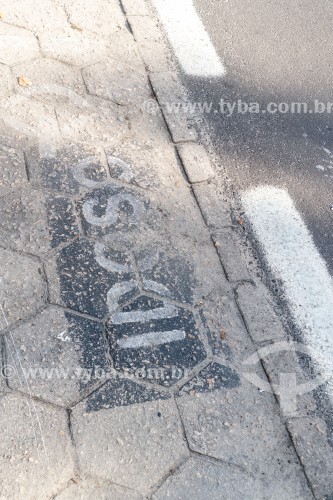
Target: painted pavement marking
[
  {"x": 189, "y": 38},
  {"x": 295, "y": 260},
  {"x": 168, "y": 311},
  {"x": 151, "y": 339}
]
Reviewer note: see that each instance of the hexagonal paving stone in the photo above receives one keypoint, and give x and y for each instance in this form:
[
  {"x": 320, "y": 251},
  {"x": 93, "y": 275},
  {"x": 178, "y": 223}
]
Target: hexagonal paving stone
[
  {"x": 213, "y": 377},
  {"x": 91, "y": 278},
  {"x": 51, "y": 81},
  {"x": 22, "y": 291},
  {"x": 117, "y": 211},
  {"x": 6, "y": 81},
  {"x": 35, "y": 448},
  {"x": 16, "y": 45},
  {"x": 13, "y": 172},
  {"x": 155, "y": 340},
  {"x": 122, "y": 391},
  {"x": 222, "y": 424},
  {"x": 146, "y": 161},
  {"x": 26, "y": 121},
  {"x": 170, "y": 271},
  {"x": 101, "y": 122},
  {"x": 138, "y": 174},
  {"x": 90, "y": 489},
  {"x": 35, "y": 222},
  {"x": 61, "y": 355},
  {"x": 74, "y": 47},
  {"x": 69, "y": 169},
  {"x": 35, "y": 16},
  {"x": 134, "y": 445},
  {"x": 202, "y": 479},
  {"x": 103, "y": 18},
  {"x": 118, "y": 81}
]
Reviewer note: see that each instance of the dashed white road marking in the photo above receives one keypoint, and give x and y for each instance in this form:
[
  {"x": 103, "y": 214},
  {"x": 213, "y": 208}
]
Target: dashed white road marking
[
  {"x": 189, "y": 39},
  {"x": 151, "y": 339},
  {"x": 295, "y": 260}
]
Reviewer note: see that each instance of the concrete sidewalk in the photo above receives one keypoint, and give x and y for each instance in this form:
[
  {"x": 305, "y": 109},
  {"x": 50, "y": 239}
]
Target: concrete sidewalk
[{"x": 131, "y": 322}]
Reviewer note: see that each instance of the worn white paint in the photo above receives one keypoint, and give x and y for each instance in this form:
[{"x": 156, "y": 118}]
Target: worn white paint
[
  {"x": 158, "y": 288},
  {"x": 189, "y": 39},
  {"x": 117, "y": 291},
  {"x": 79, "y": 173},
  {"x": 168, "y": 311},
  {"x": 112, "y": 210},
  {"x": 109, "y": 265},
  {"x": 126, "y": 171},
  {"x": 151, "y": 339},
  {"x": 295, "y": 260}
]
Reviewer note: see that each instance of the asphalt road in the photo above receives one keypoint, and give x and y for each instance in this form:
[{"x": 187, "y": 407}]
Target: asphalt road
[{"x": 281, "y": 52}]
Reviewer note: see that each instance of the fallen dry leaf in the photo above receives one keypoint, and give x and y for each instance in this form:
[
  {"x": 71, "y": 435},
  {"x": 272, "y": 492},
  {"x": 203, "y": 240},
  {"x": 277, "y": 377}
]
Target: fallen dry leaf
[
  {"x": 223, "y": 335},
  {"x": 75, "y": 27},
  {"x": 23, "y": 81}
]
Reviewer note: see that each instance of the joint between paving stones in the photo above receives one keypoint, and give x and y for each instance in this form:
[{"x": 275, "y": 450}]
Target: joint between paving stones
[
  {"x": 199, "y": 367},
  {"x": 74, "y": 447},
  {"x": 283, "y": 421},
  {"x": 235, "y": 285},
  {"x": 170, "y": 473},
  {"x": 7, "y": 330},
  {"x": 194, "y": 373},
  {"x": 301, "y": 463},
  {"x": 219, "y": 461}
]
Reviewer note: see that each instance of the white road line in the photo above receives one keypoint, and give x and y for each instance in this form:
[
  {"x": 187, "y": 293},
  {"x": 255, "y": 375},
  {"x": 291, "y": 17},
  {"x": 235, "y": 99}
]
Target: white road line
[
  {"x": 189, "y": 39},
  {"x": 151, "y": 339},
  {"x": 294, "y": 258}
]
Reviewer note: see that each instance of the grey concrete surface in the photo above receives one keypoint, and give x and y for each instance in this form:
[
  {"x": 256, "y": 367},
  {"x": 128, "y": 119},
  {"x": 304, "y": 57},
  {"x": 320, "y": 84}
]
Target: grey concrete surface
[{"x": 112, "y": 288}]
